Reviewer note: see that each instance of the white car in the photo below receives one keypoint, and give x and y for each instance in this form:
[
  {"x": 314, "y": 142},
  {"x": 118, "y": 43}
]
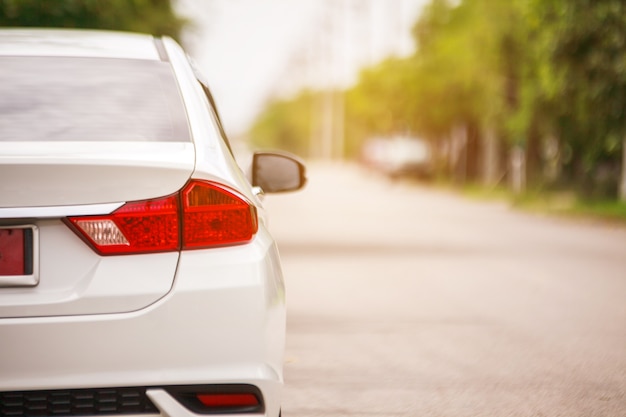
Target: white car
[{"x": 137, "y": 275}]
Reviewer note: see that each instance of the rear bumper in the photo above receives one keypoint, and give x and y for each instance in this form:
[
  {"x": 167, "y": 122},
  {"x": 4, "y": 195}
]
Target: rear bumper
[{"x": 222, "y": 323}]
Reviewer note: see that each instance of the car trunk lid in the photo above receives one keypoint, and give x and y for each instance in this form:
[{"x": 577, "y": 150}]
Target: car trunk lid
[{"x": 44, "y": 183}]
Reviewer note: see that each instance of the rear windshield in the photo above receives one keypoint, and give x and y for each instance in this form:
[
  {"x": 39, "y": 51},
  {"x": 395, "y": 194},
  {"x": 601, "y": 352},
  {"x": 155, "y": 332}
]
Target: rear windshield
[{"x": 89, "y": 99}]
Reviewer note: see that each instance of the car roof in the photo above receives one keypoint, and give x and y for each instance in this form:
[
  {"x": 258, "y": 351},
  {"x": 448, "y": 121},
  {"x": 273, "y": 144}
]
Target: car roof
[{"x": 77, "y": 43}]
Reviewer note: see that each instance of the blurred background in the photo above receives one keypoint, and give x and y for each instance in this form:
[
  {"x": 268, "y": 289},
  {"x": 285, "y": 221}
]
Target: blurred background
[
  {"x": 524, "y": 95},
  {"x": 405, "y": 297}
]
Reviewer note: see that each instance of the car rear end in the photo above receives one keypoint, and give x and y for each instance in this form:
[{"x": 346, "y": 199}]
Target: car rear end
[{"x": 136, "y": 273}]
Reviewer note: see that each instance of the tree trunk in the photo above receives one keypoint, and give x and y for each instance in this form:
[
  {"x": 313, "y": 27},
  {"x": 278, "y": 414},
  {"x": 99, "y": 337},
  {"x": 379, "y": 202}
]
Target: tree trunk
[
  {"x": 533, "y": 157},
  {"x": 457, "y": 153},
  {"x": 622, "y": 184},
  {"x": 473, "y": 153},
  {"x": 517, "y": 170},
  {"x": 490, "y": 158}
]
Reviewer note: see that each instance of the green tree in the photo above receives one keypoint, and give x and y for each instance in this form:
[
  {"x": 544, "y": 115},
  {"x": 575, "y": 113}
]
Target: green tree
[
  {"x": 382, "y": 103},
  {"x": 468, "y": 78},
  {"x": 285, "y": 124},
  {"x": 587, "y": 51},
  {"x": 520, "y": 73},
  {"x": 155, "y": 17}
]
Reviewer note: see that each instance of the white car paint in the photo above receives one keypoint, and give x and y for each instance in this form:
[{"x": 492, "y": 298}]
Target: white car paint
[{"x": 197, "y": 317}]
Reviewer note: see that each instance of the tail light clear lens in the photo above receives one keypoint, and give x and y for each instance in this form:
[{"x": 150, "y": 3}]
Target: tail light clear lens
[
  {"x": 202, "y": 215},
  {"x": 137, "y": 227}
]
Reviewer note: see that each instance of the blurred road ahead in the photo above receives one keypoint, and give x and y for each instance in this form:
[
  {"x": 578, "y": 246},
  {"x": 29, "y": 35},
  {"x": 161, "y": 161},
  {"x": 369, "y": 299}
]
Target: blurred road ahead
[{"x": 406, "y": 301}]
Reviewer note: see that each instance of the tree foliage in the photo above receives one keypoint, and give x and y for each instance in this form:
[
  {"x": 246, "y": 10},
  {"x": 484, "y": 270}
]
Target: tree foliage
[
  {"x": 588, "y": 51},
  {"x": 533, "y": 73},
  {"x": 285, "y": 124},
  {"x": 155, "y": 17}
]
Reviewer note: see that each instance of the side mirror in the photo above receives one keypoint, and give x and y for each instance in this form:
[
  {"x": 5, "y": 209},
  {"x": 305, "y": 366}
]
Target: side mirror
[{"x": 277, "y": 172}]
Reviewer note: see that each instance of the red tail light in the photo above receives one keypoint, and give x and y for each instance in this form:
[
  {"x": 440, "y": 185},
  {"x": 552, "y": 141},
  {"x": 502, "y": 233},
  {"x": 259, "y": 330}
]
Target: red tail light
[
  {"x": 214, "y": 216},
  {"x": 201, "y": 215},
  {"x": 142, "y": 226}
]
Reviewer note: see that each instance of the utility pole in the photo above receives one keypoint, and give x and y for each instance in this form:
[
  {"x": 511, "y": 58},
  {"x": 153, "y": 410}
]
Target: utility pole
[{"x": 333, "y": 50}]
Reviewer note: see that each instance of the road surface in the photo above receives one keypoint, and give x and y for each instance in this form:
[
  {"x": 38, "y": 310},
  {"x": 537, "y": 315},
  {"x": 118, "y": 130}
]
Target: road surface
[{"x": 408, "y": 301}]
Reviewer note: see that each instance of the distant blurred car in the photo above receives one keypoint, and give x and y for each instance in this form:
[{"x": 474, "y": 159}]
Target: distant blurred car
[
  {"x": 399, "y": 156},
  {"x": 137, "y": 276}
]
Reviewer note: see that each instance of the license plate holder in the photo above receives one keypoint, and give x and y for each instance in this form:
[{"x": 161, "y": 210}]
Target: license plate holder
[{"x": 19, "y": 256}]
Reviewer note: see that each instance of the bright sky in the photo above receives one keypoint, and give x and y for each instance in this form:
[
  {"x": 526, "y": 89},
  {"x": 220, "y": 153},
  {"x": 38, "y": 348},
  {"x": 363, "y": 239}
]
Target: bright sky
[{"x": 252, "y": 50}]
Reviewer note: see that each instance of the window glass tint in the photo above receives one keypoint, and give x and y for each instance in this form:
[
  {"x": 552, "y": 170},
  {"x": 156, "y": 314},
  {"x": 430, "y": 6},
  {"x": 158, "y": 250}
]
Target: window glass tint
[{"x": 89, "y": 99}]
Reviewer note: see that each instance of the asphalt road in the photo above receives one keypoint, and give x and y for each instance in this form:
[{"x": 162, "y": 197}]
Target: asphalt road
[{"x": 408, "y": 301}]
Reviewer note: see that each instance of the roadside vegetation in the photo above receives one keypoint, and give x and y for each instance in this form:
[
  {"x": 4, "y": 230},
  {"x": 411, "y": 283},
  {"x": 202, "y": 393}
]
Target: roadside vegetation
[
  {"x": 526, "y": 95},
  {"x": 569, "y": 204},
  {"x": 563, "y": 203}
]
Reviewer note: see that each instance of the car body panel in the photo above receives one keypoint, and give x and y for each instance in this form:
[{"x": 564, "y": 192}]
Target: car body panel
[
  {"x": 220, "y": 323},
  {"x": 40, "y": 174},
  {"x": 80, "y": 43},
  {"x": 205, "y": 316},
  {"x": 74, "y": 280},
  {"x": 214, "y": 159}
]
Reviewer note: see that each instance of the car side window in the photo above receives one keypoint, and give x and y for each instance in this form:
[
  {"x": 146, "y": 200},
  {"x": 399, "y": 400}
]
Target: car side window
[
  {"x": 216, "y": 115},
  {"x": 212, "y": 106}
]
